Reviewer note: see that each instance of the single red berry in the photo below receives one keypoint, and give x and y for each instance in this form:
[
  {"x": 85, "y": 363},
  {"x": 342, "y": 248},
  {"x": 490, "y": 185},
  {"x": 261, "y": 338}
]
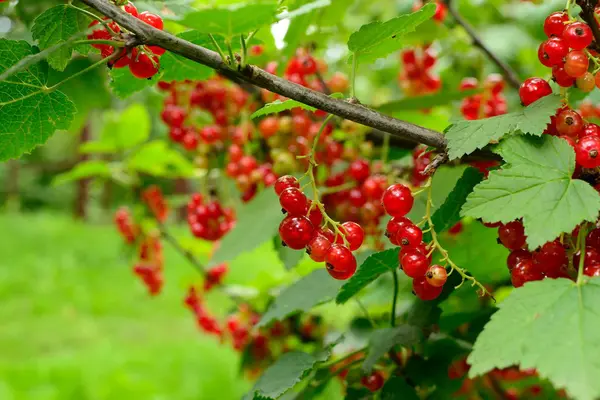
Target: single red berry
[
  {"x": 397, "y": 200},
  {"x": 318, "y": 247},
  {"x": 554, "y": 24},
  {"x": 553, "y": 51},
  {"x": 593, "y": 239},
  {"x": 393, "y": 226},
  {"x": 494, "y": 83},
  {"x": 359, "y": 170},
  {"x": 156, "y": 50},
  {"x": 190, "y": 140},
  {"x": 373, "y": 382},
  {"x": 296, "y": 231},
  {"x": 210, "y": 134},
  {"x": 409, "y": 235},
  {"x": 130, "y": 9},
  {"x": 341, "y": 263},
  {"x": 578, "y": 35},
  {"x": 374, "y": 186},
  {"x": 569, "y": 123},
  {"x": 414, "y": 263},
  {"x": 516, "y": 256},
  {"x": 142, "y": 66},
  {"x": 550, "y": 258},
  {"x": 525, "y": 271},
  {"x": 592, "y": 256},
  {"x": 269, "y": 127},
  {"x": 356, "y": 197},
  {"x": 315, "y": 215},
  {"x": 586, "y": 83},
  {"x": 592, "y": 270},
  {"x": 576, "y": 63},
  {"x": 152, "y": 20},
  {"x": 436, "y": 275},
  {"x": 533, "y": 89},
  {"x": 294, "y": 201},
  {"x": 424, "y": 290},
  {"x": 173, "y": 116},
  {"x": 512, "y": 235},
  {"x": 284, "y": 182},
  {"x": 354, "y": 234},
  {"x": 587, "y": 151},
  {"x": 468, "y": 83},
  {"x": 590, "y": 130},
  {"x": 561, "y": 77}
]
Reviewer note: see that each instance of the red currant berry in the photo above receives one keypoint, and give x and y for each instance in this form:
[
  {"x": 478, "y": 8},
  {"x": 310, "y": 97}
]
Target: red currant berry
[
  {"x": 576, "y": 63},
  {"x": 553, "y": 51},
  {"x": 569, "y": 123},
  {"x": 359, "y": 170},
  {"x": 593, "y": 239},
  {"x": 512, "y": 235},
  {"x": 152, "y": 20},
  {"x": 269, "y": 127},
  {"x": 294, "y": 201},
  {"x": 550, "y": 258},
  {"x": 354, "y": 234},
  {"x": 533, "y": 89},
  {"x": 414, "y": 263},
  {"x": 296, "y": 231},
  {"x": 284, "y": 182},
  {"x": 592, "y": 256},
  {"x": 561, "y": 77},
  {"x": 142, "y": 66},
  {"x": 468, "y": 83},
  {"x": 592, "y": 270},
  {"x": 356, "y": 197},
  {"x": 525, "y": 271},
  {"x": 578, "y": 35},
  {"x": 590, "y": 130},
  {"x": 130, "y": 9},
  {"x": 393, "y": 226},
  {"x": 409, "y": 235},
  {"x": 190, "y": 140},
  {"x": 494, "y": 83},
  {"x": 374, "y": 186},
  {"x": 554, "y": 24},
  {"x": 318, "y": 248},
  {"x": 340, "y": 262},
  {"x": 424, "y": 290},
  {"x": 397, "y": 200},
  {"x": 373, "y": 382},
  {"x": 586, "y": 83},
  {"x": 587, "y": 152},
  {"x": 436, "y": 275},
  {"x": 516, "y": 256}
]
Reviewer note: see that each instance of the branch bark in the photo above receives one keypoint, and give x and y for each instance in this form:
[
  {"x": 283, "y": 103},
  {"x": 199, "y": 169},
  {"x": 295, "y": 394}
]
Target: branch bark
[
  {"x": 588, "y": 15},
  {"x": 507, "y": 71},
  {"x": 146, "y": 34}
]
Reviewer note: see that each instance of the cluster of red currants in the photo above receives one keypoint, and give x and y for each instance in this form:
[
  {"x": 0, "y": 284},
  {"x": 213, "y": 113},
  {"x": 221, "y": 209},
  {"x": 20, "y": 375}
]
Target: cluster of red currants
[
  {"x": 492, "y": 99},
  {"x": 414, "y": 256},
  {"x": 206, "y": 321},
  {"x": 301, "y": 229},
  {"x": 150, "y": 265},
  {"x": 155, "y": 201},
  {"x": 143, "y": 61},
  {"x": 209, "y": 221},
  {"x": 416, "y": 77},
  {"x": 247, "y": 172},
  {"x": 566, "y": 51},
  {"x": 126, "y": 226}
]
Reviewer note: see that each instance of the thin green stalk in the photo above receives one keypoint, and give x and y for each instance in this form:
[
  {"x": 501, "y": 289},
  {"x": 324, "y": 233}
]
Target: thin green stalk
[
  {"x": 581, "y": 241},
  {"x": 395, "y": 298},
  {"x": 114, "y": 43},
  {"x": 244, "y": 51},
  {"x": 83, "y": 71},
  {"x": 231, "y": 56},
  {"x": 223, "y": 57}
]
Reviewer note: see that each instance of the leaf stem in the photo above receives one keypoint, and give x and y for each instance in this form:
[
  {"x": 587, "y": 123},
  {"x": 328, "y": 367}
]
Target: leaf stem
[
  {"x": 581, "y": 243},
  {"x": 395, "y": 298},
  {"x": 232, "y": 59},
  {"x": 219, "y": 50},
  {"x": 114, "y": 56},
  {"x": 244, "y": 51},
  {"x": 114, "y": 43}
]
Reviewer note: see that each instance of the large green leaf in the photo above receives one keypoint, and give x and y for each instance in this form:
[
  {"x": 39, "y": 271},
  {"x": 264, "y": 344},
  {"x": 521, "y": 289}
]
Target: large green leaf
[
  {"x": 383, "y": 340},
  {"x": 57, "y": 25},
  {"x": 124, "y": 84},
  {"x": 378, "y": 39},
  {"x": 233, "y": 20},
  {"x": 426, "y": 101},
  {"x": 289, "y": 257},
  {"x": 29, "y": 112},
  {"x": 281, "y": 376},
  {"x": 313, "y": 289},
  {"x": 257, "y": 222},
  {"x": 552, "y": 326},
  {"x": 535, "y": 185},
  {"x": 169, "y": 9},
  {"x": 375, "y": 265},
  {"x": 278, "y": 106},
  {"x": 464, "y": 137},
  {"x": 396, "y": 388},
  {"x": 301, "y": 7},
  {"x": 156, "y": 158},
  {"x": 86, "y": 169}
]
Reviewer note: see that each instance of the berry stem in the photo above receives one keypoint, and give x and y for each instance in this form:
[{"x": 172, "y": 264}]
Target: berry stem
[
  {"x": 218, "y": 48},
  {"x": 445, "y": 256},
  {"x": 394, "y": 298},
  {"x": 106, "y": 60},
  {"x": 244, "y": 52},
  {"x": 581, "y": 244}
]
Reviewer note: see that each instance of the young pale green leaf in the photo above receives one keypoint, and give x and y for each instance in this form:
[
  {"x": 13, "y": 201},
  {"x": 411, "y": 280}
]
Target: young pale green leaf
[
  {"x": 156, "y": 158},
  {"x": 535, "y": 185},
  {"x": 57, "y": 25},
  {"x": 464, "y": 137},
  {"x": 375, "y": 265},
  {"x": 303, "y": 8},
  {"x": 396, "y": 388},
  {"x": 382, "y": 341},
  {"x": 448, "y": 213},
  {"x": 86, "y": 169},
  {"x": 233, "y": 20},
  {"x": 278, "y": 106},
  {"x": 282, "y": 375},
  {"x": 313, "y": 289},
  {"x": 378, "y": 39},
  {"x": 121, "y": 130},
  {"x": 552, "y": 326},
  {"x": 257, "y": 222},
  {"x": 426, "y": 101},
  {"x": 29, "y": 113},
  {"x": 124, "y": 84}
]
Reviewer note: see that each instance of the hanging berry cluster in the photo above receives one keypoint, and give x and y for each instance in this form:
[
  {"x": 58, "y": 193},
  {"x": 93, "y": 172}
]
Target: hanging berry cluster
[
  {"x": 416, "y": 77},
  {"x": 126, "y": 226},
  {"x": 149, "y": 268},
  {"x": 155, "y": 201},
  {"x": 489, "y": 103},
  {"x": 143, "y": 61},
  {"x": 209, "y": 221}
]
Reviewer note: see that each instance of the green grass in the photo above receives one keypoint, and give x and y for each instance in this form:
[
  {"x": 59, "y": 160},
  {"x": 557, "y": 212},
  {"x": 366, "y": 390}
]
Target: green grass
[{"x": 76, "y": 324}]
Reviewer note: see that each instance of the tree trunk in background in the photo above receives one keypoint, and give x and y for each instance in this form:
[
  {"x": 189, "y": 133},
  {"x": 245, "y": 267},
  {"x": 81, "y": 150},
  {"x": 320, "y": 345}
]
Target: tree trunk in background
[
  {"x": 181, "y": 187},
  {"x": 83, "y": 185}
]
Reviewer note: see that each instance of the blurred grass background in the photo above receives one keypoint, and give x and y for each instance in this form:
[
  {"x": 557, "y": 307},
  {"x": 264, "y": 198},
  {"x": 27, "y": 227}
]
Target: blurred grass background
[{"x": 76, "y": 323}]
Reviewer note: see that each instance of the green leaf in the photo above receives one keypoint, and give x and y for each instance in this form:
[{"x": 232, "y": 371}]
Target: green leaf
[
  {"x": 448, "y": 213},
  {"x": 289, "y": 257},
  {"x": 173, "y": 10},
  {"x": 57, "y": 25},
  {"x": 378, "y": 39},
  {"x": 552, "y": 326},
  {"x": 29, "y": 113},
  {"x": 313, "y": 289},
  {"x": 232, "y": 20},
  {"x": 427, "y": 101},
  {"x": 257, "y": 222},
  {"x": 156, "y": 158},
  {"x": 124, "y": 84},
  {"x": 121, "y": 131},
  {"x": 278, "y": 106},
  {"x": 303, "y": 8},
  {"x": 396, "y": 388},
  {"x": 375, "y": 265},
  {"x": 179, "y": 68},
  {"x": 464, "y": 137},
  {"x": 281, "y": 376},
  {"x": 535, "y": 185},
  {"x": 382, "y": 341},
  {"x": 86, "y": 169}
]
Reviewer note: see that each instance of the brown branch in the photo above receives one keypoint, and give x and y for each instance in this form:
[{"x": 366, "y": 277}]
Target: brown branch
[
  {"x": 186, "y": 253},
  {"x": 507, "y": 71},
  {"x": 588, "y": 15},
  {"x": 146, "y": 34}
]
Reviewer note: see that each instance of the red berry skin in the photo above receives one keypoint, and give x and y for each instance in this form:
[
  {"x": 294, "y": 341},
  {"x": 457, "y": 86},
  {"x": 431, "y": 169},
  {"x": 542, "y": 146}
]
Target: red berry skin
[
  {"x": 142, "y": 66},
  {"x": 373, "y": 382},
  {"x": 340, "y": 262},
  {"x": 296, "y": 231},
  {"x": 550, "y": 258},
  {"x": 512, "y": 235},
  {"x": 318, "y": 247},
  {"x": 516, "y": 256},
  {"x": 587, "y": 152},
  {"x": 284, "y": 182},
  {"x": 561, "y": 77},
  {"x": 592, "y": 256},
  {"x": 592, "y": 270},
  {"x": 578, "y": 35},
  {"x": 152, "y": 20},
  {"x": 294, "y": 201},
  {"x": 593, "y": 239},
  {"x": 533, "y": 89},
  {"x": 397, "y": 200},
  {"x": 576, "y": 63},
  {"x": 553, "y": 51},
  {"x": 569, "y": 123},
  {"x": 130, "y": 9},
  {"x": 393, "y": 226},
  {"x": 409, "y": 235},
  {"x": 590, "y": 130},
  {"x": 436, "y": 275},
  {"x": 554, "y": 24},
  {"x": 414, "y": 263},
  {"x": 524, "y": 272},
  {"x": 374, "y": 186},
  {"x": 424, "y": 290},
  {"x": 269, "y": 127},
  {"x": 359, "y": 170},
  {"x": 354, "y": 235},
  {"x": 315, "y": 215}
]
